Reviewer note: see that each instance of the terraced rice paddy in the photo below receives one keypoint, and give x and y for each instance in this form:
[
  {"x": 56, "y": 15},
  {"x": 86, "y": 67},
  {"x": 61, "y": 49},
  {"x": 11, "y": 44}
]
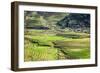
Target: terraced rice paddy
[{"x": 44, "y": 45}]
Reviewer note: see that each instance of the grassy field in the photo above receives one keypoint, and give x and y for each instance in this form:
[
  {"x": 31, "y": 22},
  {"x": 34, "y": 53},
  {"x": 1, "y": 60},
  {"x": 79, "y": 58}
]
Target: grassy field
[{"x": 44, "y": 45}]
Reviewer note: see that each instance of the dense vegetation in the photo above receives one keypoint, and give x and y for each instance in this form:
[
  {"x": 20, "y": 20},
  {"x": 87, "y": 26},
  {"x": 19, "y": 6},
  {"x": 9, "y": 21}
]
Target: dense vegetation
[{"x": 54, "y": 36}]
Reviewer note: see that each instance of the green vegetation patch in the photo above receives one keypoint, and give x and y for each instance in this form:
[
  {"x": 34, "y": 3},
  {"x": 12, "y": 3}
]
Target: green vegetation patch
[
  {"x": 80, "y": 53},
  {"x": 33, "y": 52}
]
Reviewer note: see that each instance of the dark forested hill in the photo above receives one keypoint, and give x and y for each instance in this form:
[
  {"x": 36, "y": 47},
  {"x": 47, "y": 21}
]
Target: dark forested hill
[{"x": 75, "y": 20}]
